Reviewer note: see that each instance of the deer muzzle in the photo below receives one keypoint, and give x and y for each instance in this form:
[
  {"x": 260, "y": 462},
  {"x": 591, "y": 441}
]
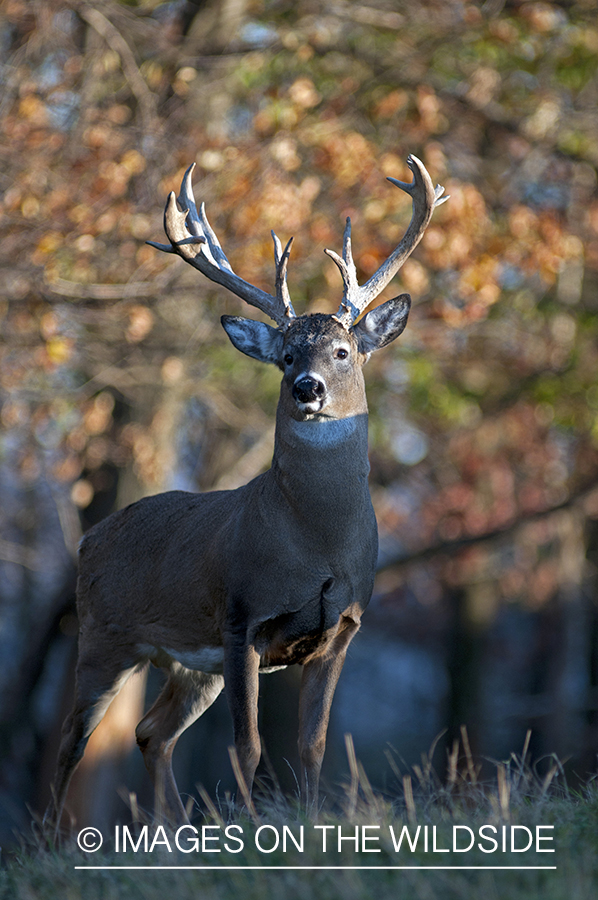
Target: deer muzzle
[{"x": 309, "y": 393}]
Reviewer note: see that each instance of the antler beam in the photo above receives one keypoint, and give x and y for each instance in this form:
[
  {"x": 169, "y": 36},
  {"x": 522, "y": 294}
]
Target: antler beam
[
  {"x": 191, "y": 236},
  {"x": 425, "y": 199}
]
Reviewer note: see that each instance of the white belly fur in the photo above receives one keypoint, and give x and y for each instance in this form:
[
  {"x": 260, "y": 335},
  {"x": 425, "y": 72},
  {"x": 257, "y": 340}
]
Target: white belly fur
[{"x": 207, "y": 659}]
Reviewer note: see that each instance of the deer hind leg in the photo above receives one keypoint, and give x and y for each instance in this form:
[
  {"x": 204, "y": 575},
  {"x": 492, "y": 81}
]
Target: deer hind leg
[
  {"x": 185, "y": 696},
  {"x": 99, "y": 678}
]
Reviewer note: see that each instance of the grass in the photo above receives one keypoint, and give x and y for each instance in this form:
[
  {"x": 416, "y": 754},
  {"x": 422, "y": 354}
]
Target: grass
[{"x": 516, "y": 796}]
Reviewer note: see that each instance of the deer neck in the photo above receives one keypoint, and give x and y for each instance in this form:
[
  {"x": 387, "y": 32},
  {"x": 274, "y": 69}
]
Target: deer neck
[{"x": 320, "y": 465}]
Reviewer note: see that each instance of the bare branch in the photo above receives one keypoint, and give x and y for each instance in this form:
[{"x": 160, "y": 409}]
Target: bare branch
[
  {"x": 22, "y": 556},
  {"x": 129, "y": 291},
  {"x": 498, "y": 534},
  {"x": 367, "y": 15},
  {"x": 116, "y": 42}
]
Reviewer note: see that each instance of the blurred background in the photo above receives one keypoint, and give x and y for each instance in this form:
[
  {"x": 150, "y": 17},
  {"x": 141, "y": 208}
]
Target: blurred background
[{"x": 117, "y": 381}]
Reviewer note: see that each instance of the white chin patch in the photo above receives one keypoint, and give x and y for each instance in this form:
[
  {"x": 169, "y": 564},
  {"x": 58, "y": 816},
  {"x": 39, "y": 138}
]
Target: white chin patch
[{"x": 314, "y": 406}]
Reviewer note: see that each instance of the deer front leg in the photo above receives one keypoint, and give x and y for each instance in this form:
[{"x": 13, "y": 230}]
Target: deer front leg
[
  {"x": 241, "y": 672},
  {"x": 318, "y": 683}
]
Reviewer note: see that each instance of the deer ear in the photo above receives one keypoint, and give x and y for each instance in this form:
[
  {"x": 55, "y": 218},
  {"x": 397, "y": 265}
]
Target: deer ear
[
  {"x": 253, "y": 338},
  {"x": 383, "y": 324}
]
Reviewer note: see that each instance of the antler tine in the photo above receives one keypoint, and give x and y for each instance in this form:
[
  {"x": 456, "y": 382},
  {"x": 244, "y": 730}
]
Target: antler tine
[
  {"x": 281, "y": 258},
  {"x": 425, "y": 199},
  {"x": 347, "y": 310},
  {"x": 192, "y": 237}
]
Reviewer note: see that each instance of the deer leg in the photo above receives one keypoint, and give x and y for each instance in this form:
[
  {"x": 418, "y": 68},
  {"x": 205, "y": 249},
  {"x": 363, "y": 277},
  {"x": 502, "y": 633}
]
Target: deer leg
[
  {"x": 185, "y": 696},
  {"x": 318, "y": 683},
  {"x": 241, "y": 679},
  {"x": 99, "y": 678}
]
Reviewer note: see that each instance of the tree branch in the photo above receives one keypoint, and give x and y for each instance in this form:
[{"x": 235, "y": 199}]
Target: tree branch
[
  {"x": 116, "y": 42},
  {"x": 22, "y": 556},
  {"x": 128, "y": 291},
  {"x": 451, "y": 547}
]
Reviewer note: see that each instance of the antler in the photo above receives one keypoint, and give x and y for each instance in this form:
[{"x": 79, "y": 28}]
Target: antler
[
  {"x": 425, "y": 199},
  {"x": 191, "y": 236}
]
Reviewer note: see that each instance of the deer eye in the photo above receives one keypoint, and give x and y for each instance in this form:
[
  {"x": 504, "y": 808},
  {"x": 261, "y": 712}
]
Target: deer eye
[
  {"x": 288, "y": 359},
  {"x": 341, "y": 353}
]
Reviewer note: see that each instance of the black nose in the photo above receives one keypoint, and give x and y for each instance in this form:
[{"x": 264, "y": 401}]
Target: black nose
[{"x": 308, "y": 389}]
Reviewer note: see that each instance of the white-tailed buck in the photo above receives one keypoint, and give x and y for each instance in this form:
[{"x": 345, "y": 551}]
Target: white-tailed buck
[{"x": 214, "y": 588}]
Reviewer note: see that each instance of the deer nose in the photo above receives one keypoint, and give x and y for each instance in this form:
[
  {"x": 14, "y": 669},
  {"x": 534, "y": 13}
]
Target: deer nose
[{"x": 308, "y": 389}]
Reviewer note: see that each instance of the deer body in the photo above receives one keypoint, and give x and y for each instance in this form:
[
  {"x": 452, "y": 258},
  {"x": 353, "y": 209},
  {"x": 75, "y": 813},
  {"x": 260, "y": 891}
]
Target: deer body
[
  {"x": 216, "y": 587},
  {"x": 190, "y": 563}
]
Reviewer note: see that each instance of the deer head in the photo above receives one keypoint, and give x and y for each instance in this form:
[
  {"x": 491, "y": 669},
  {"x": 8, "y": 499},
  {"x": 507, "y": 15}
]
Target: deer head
[{"x": 341, "y": 342}]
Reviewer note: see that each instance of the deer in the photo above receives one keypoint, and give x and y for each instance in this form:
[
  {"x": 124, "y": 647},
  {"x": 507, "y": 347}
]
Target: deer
[{"x": 217, "y": 587}]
